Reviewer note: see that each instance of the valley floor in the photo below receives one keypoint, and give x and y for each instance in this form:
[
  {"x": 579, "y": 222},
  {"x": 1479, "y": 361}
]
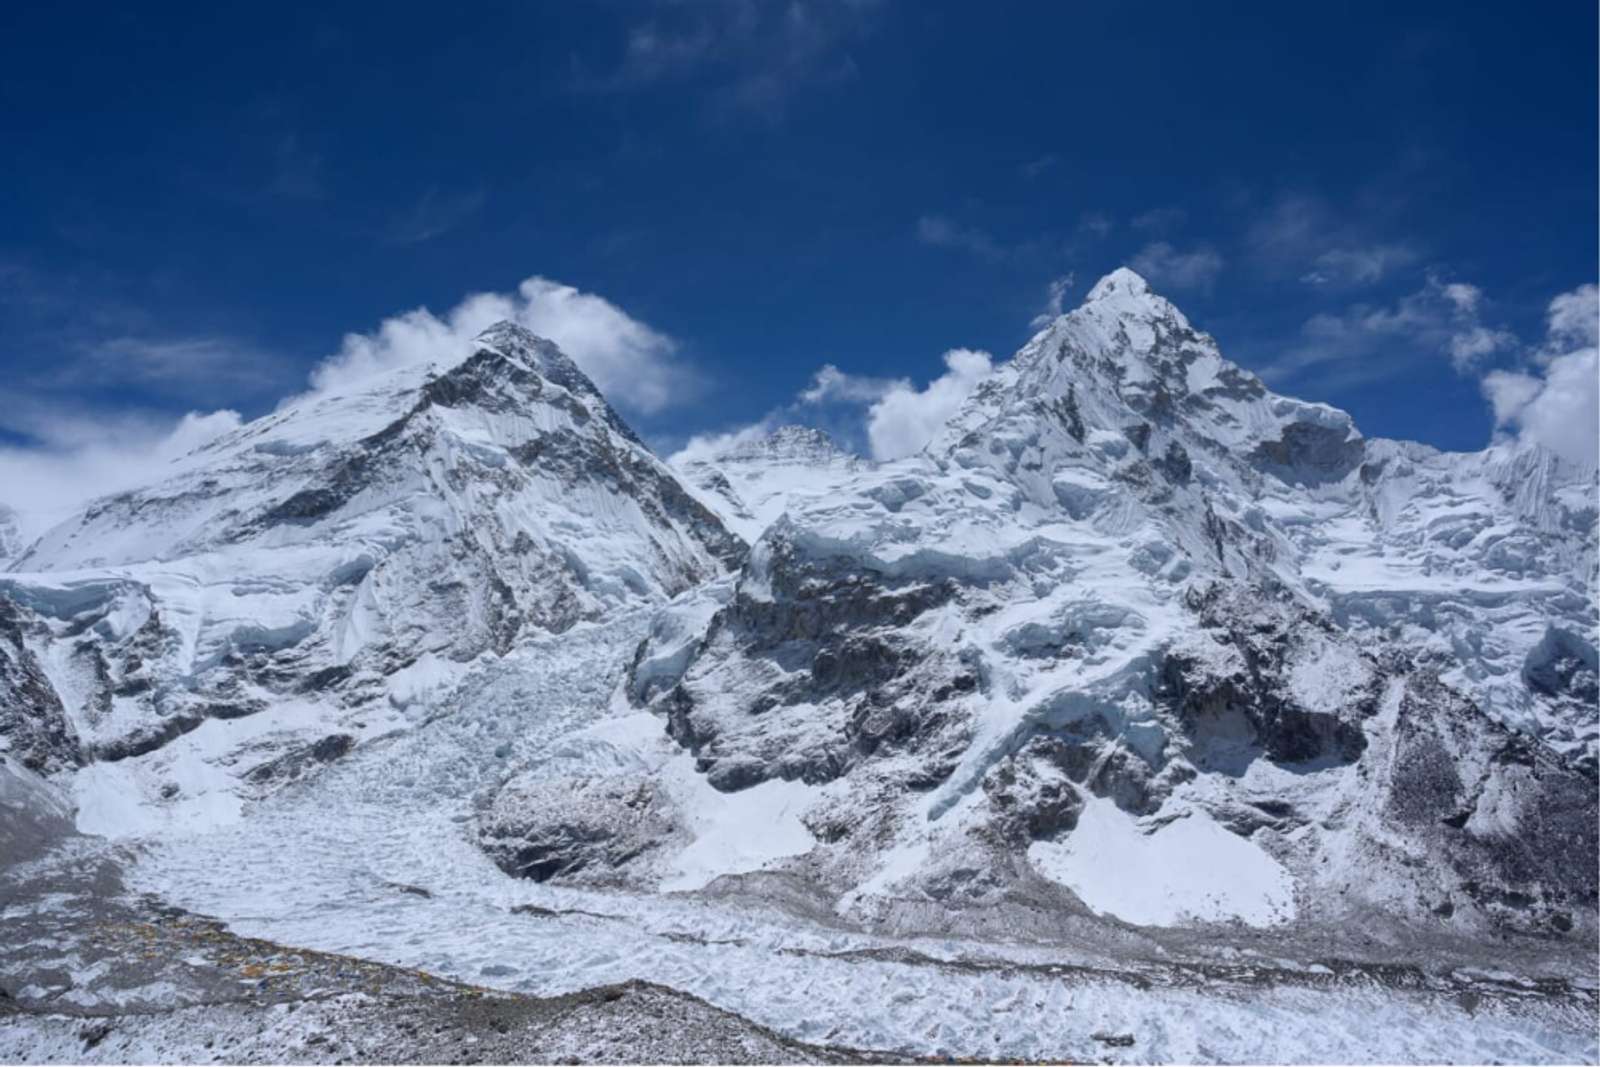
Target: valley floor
[{"x": 411, "y": 945}]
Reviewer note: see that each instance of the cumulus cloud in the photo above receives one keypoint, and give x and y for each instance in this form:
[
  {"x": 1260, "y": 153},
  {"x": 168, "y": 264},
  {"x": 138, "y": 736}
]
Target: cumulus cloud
[
  {"x": 900, "y": 417},
  {"x": 1167, "y": 266},
  {"x": 632, "y": 363},
  {"x": 898, "y": 420},
  {"x": 73, "y": 458},
  {"x": 905, "y": 418},
  {"x": 1555, "y": 402}
]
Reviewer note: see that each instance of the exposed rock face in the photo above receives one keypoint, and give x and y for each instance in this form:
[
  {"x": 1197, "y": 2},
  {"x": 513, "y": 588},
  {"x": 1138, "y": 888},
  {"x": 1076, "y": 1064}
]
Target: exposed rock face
[
  {"x": 34, "y": 727},
  {"x": 578, "y": 828}
]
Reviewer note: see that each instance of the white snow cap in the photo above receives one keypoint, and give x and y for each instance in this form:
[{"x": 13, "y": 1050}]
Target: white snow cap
[{"x": 1122, "y": 281}]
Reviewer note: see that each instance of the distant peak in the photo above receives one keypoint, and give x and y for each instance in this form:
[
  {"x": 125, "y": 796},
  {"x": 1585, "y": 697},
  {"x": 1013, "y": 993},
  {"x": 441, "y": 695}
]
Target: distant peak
[
  {"x": 505, "y": 332},
  {"x": 802, "y": 443},
  {"x": 1120, "y": 282}
]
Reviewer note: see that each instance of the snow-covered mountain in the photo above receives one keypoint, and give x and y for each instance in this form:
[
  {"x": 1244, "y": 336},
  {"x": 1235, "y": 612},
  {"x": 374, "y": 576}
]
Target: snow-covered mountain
[
  {"x": 1131, "y": 603},
  {"x": 1140, "y": 675},
  {"x": 752, "y": 483},
  {"x": 326, "y": 564}
]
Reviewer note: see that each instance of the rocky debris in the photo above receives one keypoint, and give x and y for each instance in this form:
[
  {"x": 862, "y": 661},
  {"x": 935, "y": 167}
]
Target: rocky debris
[
  {"x": 103, "y": 975},
  {"x": 1113, "y": 1040},
  {"x": 582, "y": 828},
  {"x": 299, "y": 762}
]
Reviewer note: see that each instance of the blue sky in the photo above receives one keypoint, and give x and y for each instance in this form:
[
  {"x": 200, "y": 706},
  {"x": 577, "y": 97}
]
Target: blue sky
[{"x": 1372, "y": 204}]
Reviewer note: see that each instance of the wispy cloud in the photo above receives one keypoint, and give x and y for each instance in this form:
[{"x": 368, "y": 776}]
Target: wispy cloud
[
  {"x": 1165, "y": 265},
  {"x": 76, "y": 456},
  {"x": 434, "y": 214},
  {"x": 1359, "y": 266},
  {"x": 1040, "y": 165},
  {"x": 1303, "y": 236},
  {"x": 1369, "y": 342},
  {"x": 636, "y": 365},
  {"x": 1055, "y": 302},
  {"x": 1159, "y": 220},
  {"x": 942, "y": 232},
  {"x": 749, "y": 56}
]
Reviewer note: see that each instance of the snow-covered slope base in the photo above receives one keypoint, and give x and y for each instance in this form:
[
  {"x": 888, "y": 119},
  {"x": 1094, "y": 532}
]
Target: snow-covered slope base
[{"x": 1145, "y": 715}]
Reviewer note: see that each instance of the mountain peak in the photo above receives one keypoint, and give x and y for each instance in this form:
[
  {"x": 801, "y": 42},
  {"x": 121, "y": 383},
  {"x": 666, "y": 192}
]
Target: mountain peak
[
  {"x": 1121, "y": 282},
  {"x": 792, "y": 443},
  {"x": 509, "y": 333},
  {"x": 518, "y": 343}
]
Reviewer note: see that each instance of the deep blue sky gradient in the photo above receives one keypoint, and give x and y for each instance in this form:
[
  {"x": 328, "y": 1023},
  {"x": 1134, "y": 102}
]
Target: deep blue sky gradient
[{"x": 779, "y": 186}]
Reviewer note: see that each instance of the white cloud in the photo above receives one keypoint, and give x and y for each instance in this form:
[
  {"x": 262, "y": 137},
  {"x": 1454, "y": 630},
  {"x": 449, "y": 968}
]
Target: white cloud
[
  {"x": 899, "y": 418},
  {"x": 1166, "y": 266},
  {"x": 1556, "y": 402},
  {"x": 1358, "y": 266},
  {"x": 1574, "y": 319},
  {"x": 831, "y": 385},
  {"x": 905, "y": 418},
  {"x": 633, "y": 364},
  {"x": 1055, "y": 303},
  {"x": 78, "y": 457}
]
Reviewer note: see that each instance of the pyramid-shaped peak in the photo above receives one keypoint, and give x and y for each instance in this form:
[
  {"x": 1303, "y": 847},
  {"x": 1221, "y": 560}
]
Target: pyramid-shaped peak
[
  {"x": 1121, "y": 282},
  {"x": 792, "y": 443},
  {"x": 520, "y": 344},
  {"x": 513, "y": 335}
]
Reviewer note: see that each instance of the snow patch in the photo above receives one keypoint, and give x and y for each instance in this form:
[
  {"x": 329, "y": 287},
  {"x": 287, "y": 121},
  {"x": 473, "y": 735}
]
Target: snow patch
[{"x": 1189, "y": 870}]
